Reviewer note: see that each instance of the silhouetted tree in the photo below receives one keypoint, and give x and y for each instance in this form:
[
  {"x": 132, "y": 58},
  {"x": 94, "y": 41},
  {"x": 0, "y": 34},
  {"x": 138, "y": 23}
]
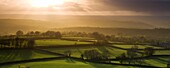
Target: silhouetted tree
[
  {"x": 31, "y": 33},
  {"x": 50, "y": 33},
  {"x": 121, "y": 57},
  {"x": 31, "y": 43},
  {"x": 68, "y": 53},
  {"x": 17, "y": 42},
  {"x": 168, "y": 65},
  {"x": 108, "y": 37},
  {"x": 19, "y": 33},
  {"x": 131, "y": 53},
  {"x": 37, "y": 33},
  {"x": 82, "y": 56},
  {"x": 149, "y": 51},
  {"x": 93, "y": 55},
  {"x": 58, "y": 35},
  {"x": 98, "y": 36}
]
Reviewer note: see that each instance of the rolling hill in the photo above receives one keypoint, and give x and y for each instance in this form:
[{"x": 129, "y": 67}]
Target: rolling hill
[{"x": 12, "y": 25}]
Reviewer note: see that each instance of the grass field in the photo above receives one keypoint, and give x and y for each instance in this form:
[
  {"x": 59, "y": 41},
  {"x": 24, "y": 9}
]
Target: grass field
[
  {"x": 53, "y": 42},
  {"x": 158, "y": 61},
  {"x": 15, "y": 55},
  {"x": 65, "y": 63},
  {"x": 24, "y": 54},
  {"x": 76, "y": 52},
  {"x": 139, "y": 46},
  {"x": 162, "y": 52},
  {"x": 78, "y": 38}
]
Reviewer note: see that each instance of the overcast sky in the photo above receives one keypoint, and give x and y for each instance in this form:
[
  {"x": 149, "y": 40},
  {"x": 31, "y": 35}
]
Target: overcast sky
[{"x": 92, "y": 7}]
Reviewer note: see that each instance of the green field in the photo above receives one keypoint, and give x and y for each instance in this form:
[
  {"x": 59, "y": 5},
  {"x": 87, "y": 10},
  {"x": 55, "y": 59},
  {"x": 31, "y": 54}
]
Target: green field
[
  {"x": 65, "y": 63},
  {"x": 158, "y": 61},
  {"x": 78, "y": 38},
  {"x": 139, "y": 46},
  {"x": 162, "y": 52},
  {"x": 76, "y": 52},
  {"x": 54, "y": 42},
  {"x": 24, "y": 54}
]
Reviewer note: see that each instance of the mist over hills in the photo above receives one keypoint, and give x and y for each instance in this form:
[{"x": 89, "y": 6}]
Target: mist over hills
[
  {"x": 127, "y": 28},
  {"x": 12, "y": 23},
  {"x": 149, "y": 33},
  {"x": 155, "y": 21}
]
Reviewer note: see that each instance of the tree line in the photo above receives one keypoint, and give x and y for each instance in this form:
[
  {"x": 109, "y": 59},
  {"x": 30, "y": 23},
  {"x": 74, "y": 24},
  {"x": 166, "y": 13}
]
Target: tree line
[
  {"x": 17, "y": 43},
  {"x": 134, "y": 40},
  {"x": 133, "y": 53},
  {"x": 35, "y": 34}
]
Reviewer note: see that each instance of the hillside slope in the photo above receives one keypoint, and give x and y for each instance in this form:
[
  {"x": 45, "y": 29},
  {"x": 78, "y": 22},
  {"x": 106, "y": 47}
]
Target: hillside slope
[{"x": 12, "y": 25}]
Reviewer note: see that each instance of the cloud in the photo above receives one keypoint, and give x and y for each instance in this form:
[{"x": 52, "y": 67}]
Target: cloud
[
  {"x": 148, "y": 6},
  {"x": 112, "y": 7}
]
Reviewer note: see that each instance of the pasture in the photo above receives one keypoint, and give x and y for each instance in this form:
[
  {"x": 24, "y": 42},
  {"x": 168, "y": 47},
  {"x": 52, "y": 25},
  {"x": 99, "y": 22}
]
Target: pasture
[
  {"x": 77, "y": 51},
  {"x": 157, "y": 61},
  {"x": 65, "y": 63},
  {"x": 26, "y": 54},
  {"x": 139, "y": 46},
  {"x": 21, "y": 54},
  {"x": 54, "y": 42},
  {"x": 162, "y": 52}
]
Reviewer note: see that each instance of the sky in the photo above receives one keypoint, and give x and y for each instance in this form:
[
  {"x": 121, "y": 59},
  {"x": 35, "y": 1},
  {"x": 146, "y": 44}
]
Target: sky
[{"x": 89, "y": 7}]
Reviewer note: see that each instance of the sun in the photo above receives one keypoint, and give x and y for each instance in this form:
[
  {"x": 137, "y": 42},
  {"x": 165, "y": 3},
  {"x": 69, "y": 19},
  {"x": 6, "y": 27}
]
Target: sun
[{"x": 46, "y": 3}]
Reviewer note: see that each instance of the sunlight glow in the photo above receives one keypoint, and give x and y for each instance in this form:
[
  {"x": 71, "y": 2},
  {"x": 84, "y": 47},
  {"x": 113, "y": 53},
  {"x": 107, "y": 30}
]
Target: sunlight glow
[{"x": 46, "y": 3}]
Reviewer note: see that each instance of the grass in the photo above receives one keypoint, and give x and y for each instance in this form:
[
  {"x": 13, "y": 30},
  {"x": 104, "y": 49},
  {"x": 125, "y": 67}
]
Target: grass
[
  {"x": 65, "y": 63},
  {"x": 78, "y": 38},
  {"x": 76, "y": 52},
  {"x": 13, "y": 55},
  {"x": 24, "y": 54},
  {"x": 115, "y": 52},
  {"x": 162, "y": 52},
  {"x": 53, "y": 42},
  {"x": 139, "y": 46},
  {"x": 158, "y": 61}
]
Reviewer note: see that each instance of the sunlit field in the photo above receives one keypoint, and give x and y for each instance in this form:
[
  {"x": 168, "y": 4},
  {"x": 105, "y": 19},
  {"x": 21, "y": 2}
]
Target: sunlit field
[
  {"x": 66, "y": 63},
  {"x": 139, "y": 46},
  {"x": 53, "y": 42},
  {"x": 158, "y": 61},
  {"x": 54, "y": 51},
  {"x": 11, "y": 55},
  {"x": 77, "y": 51},
  {"x": 79, "y": 38},
  {"x": 162, "y": 52}
]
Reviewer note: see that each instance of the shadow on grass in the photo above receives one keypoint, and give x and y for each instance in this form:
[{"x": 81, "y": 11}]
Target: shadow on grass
[
  {"x": 95, "y": 65},
  {"x": 69, "y": 60},
  {"x": 13, "y": 55},
  {"x": 161, "y": 60},
  {"x": 104, "y": 50}
]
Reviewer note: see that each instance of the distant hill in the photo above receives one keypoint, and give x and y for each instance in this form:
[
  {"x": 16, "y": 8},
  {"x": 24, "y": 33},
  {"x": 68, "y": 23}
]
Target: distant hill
[
  {"x": 101, "y": 22},
  {"x": 149, "y": 33},
  {"x": 12, "y": 25}
]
